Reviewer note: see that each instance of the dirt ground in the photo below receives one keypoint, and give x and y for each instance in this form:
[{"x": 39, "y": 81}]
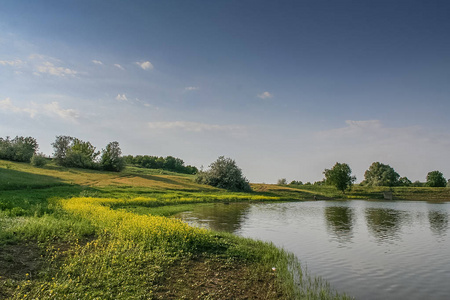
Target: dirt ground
[{"x": 218, "y": 278}]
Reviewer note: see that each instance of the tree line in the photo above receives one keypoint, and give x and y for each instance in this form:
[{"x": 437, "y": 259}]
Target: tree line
[
  {"x": 378, "y": 174},
  {"x": 168, "y": 163},
  {"x": 70, "y": 151}
]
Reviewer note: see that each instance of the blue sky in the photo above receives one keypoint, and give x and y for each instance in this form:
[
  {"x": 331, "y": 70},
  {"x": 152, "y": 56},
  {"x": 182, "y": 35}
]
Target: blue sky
[{"x": 286, "y": 88}]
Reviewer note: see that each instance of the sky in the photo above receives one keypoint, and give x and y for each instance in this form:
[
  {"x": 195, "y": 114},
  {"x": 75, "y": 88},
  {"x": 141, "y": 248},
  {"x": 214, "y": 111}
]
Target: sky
[{"x": 285, "y": 88}]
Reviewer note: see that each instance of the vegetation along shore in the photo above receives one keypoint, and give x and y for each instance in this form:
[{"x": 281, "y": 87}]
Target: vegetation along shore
[{"x": 70, "y": 227}]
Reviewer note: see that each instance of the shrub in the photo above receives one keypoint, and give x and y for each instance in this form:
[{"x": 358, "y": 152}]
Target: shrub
[
  {"x": 225, "y": 174},
  {"x": 38, "y": 160}
]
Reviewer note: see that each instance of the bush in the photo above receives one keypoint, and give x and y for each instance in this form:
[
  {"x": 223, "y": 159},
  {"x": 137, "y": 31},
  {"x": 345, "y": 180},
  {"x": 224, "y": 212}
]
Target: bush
[
  {"x": 38, "y": 160},
  {"x": 225, "y": 174}
]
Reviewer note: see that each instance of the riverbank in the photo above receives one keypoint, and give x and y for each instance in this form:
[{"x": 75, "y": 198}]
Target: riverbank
[
  {"x": 324, "y": 192},
  {"x": 64, "y": 233}
]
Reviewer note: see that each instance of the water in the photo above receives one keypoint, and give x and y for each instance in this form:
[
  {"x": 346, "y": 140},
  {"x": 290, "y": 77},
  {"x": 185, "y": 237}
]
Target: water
[{"x": 368, "y": 249}]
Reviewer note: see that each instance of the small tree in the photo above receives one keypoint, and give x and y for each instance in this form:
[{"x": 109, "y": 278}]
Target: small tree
[
  {"x": 38, "y": 160},
  {"x": 340, "y": 176},
  {"x": 380, "y": 174},
  {"x": 111, "y": 159},
  {"x": 224, "y": 173},
  {"x": 436, "y": 179},
  {"x": 282, "y": 181}
]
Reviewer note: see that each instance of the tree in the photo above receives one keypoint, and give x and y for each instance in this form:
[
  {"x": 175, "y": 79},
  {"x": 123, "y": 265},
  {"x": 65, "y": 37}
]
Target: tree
[
  {"x": 404, "y": 181},
  {"x": 224, "y": 173},
  {"x": 73, "y": 152},
  {"x": 60, "y": 147},
  {"x": 81, "y": 154},
  {"x": 436, "y": 179},
  {"x": 340, "y": 176},
  {"x": 380, "y": 174},
  {"x": 282, "y": 181},
  {"x": 18, "y": 149},
  {"x": 112, "y": 159}
]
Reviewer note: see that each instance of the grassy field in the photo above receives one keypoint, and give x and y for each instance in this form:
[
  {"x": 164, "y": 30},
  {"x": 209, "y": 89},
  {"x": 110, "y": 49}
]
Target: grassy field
[{"x": 74, "y": 234}]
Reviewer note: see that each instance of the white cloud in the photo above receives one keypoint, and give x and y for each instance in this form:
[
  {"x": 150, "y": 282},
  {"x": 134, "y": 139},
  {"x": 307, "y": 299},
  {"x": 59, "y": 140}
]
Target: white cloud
[
  {"x": 55, "y": 109},
  {"x": 192, "y": 126},
  {"x": 191, "y": 88},
  {"x": 121, "y": 97},
  {"x": 49, "y": 68},
  {"x": 52, "y": 108},
  {"x": 7, "y": 105},
  {"x": 146, "y": 65},
  {"x": 265, "y": 95},
  {"x": 12, "y": 63},
  {"x": 97, "y": 62},
  {"x": 119, "y": 66}
]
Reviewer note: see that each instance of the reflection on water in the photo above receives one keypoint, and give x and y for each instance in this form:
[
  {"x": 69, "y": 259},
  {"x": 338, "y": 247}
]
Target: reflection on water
[
  {"x": 340, "y": 222},
  {"x": 384, "y": 224},
  {"x": 368, "y": 249},
  {"x": 219, "y": 217},
  {"x": 438, "y": 222}
]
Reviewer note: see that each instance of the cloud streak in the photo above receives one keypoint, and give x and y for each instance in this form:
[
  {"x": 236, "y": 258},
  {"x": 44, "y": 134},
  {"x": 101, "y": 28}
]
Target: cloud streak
[
  {"x": 265, "y": 95},
  {"x": 191, "y": 88},
  {"x": 121, "y": 97},
  {"x": 7, "y": 105},
  {"x": 12, "y": 63},
  {"x": 119, "y": 67},
  {"x": 191, "y": 126},
  {"x": 145, "y": 65},
  {"x": 52, "y": 109}
]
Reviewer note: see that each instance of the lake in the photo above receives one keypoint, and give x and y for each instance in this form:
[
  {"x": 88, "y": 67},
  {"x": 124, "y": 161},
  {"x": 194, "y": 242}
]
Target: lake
[{"x": 367, "y": 249}]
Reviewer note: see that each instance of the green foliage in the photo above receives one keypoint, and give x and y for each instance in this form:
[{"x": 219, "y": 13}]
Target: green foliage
[
  {"x": 404, "y": 181},
  {"x": 18, "y": 149},
  {"x": 111, "y": 159},
  {"x": 340, "y": 176},
  {"x": 38, "y": 160},
  {"x": 294, "y": 182},
  {"x": 380, "y": 174},
  {"x": 81, "y": 154},
  {"x": 225, "y": 174},
  {"x": 436, "y": 179},
  {"x": 169, "y": 163},
  {"x": 282, "y": 181}
]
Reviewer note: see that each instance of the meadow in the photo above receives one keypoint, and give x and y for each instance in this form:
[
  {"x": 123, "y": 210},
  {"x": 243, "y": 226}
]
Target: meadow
[{"x": 75, "y": 234}]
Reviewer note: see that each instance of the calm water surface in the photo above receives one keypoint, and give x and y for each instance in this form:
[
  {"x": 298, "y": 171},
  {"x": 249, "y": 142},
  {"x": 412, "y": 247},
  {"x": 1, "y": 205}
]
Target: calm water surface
[{"x": 368, "y": 249}]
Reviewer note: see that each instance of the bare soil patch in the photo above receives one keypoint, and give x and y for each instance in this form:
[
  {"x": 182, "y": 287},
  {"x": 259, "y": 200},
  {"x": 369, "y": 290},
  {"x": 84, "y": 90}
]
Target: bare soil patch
[{"x": 218, "y": 278}]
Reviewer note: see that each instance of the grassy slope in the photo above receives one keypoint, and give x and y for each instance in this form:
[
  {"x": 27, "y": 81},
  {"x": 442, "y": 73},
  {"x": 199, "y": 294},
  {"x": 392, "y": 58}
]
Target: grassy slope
[{"x": 56, "y": 243}]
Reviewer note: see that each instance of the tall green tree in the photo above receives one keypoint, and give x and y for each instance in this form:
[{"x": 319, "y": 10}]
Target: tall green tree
[
  {"x": 111, "y": 159},
  {"x": 436, "y": 179},
  {"x": 340, "y": 176},
  {"x": 380, "y": 174}
]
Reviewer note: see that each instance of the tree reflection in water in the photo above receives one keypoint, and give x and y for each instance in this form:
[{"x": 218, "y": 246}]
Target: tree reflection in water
[
  {"x": 438, "y": 222},
  {"x": 340, "y": 222},
  {"x": 219, "y": 216},
  {"x": 385, "y": 224}
]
